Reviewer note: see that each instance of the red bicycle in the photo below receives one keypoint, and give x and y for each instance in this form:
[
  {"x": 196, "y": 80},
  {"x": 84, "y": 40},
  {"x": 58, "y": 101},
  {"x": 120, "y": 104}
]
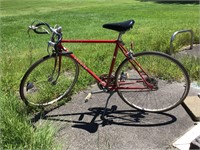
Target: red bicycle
[{"x": 149, "y": 81}]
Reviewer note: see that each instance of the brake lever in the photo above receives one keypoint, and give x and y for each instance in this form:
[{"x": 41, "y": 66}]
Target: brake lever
[{"x": 45, "y": 30}]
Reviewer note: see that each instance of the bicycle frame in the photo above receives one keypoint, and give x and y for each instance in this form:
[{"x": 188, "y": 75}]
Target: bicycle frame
[
  {"x": 118, "y": 45},
  {"x": 144, "y": 80}
]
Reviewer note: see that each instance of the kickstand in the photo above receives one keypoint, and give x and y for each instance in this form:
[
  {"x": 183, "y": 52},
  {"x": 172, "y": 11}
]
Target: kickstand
[{"x": 105, "y": 109}]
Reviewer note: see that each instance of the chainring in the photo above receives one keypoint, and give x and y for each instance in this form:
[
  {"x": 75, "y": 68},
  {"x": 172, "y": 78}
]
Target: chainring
[{"x": 104, "y": 77}]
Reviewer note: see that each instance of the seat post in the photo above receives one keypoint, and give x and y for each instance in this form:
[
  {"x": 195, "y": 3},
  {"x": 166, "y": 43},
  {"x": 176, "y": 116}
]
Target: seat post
[{"x": 120, "y": 37}]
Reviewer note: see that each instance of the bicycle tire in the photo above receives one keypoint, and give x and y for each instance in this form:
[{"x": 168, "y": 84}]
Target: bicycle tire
[
  {"x": 42, "y": 84},
  {"x": 169, "y": 77}
]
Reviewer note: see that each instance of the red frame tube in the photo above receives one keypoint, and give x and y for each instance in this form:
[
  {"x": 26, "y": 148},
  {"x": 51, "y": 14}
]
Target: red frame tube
[
  {"x": 89, "y": 41},
  {"x": 117, "y": 47},
  {"x": 84, "y": 66}
]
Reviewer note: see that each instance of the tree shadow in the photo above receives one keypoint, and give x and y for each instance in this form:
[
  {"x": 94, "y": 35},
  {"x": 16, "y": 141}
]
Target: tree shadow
[
  {"x": 172, "y": 1},
  {"x": 92, "y": 119}
]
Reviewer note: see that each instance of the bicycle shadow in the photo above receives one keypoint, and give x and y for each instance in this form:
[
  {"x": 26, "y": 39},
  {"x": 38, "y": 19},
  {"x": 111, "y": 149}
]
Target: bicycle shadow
[{"x": 91, "y": 120}]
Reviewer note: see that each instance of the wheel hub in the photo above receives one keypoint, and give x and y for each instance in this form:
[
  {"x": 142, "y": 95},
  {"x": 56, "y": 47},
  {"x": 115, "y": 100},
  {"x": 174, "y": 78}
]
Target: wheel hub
[{"x": 153, "y": 82}]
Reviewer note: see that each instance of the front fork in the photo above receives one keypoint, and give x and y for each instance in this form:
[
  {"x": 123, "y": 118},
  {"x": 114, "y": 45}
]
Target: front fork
[{"x": 57, "y": 63}]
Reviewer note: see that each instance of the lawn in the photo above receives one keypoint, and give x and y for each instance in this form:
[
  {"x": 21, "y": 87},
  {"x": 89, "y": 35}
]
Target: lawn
[{"x": 154, "y": 25}]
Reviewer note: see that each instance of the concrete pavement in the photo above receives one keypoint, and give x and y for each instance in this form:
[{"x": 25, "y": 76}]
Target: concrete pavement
[
  {"x": 194, "y": 52},
  {"x": 81, "y": 128},
  {"x": 192, "y": 102}
]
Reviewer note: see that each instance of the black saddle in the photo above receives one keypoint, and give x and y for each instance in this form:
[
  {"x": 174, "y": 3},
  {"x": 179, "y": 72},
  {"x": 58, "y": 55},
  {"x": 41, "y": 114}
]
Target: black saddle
[{"x": 120, "y": 26}]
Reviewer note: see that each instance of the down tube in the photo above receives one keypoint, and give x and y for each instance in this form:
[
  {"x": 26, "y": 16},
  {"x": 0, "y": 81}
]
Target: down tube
[{"x": 87, "y": 69}]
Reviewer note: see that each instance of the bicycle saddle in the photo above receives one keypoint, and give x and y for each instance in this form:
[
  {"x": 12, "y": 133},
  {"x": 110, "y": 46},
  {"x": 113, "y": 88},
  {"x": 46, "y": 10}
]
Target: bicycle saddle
[{"x": 120, "y": 26}]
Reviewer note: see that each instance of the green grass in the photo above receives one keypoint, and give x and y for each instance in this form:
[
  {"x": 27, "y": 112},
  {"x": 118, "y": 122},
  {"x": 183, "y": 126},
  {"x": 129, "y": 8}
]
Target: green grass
[
  {"x": 17, "y": 131},
  {"x": 83, "y": 19}
]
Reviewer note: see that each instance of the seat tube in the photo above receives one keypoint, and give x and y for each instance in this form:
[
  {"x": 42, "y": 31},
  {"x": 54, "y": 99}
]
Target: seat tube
[{"x": 112, "y": 63}]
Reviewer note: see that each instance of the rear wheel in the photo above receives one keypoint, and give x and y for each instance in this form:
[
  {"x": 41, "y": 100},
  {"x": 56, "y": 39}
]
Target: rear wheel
[
  {"x": 43, "y": 84},
  {"x": 168, "y": 80}
]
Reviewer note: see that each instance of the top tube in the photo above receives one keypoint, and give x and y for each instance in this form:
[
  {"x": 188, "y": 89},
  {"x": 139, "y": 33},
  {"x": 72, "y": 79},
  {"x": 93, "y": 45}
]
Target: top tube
[{"x": 89, "y": 41}]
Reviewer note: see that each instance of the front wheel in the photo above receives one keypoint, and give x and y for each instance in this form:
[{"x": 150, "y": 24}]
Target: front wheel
[
  {"x": 48, "y": 80},
  {"x": 152, "y": 81}
]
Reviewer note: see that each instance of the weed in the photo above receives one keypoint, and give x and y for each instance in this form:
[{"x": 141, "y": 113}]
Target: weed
[{"x": 155, "y": 23}]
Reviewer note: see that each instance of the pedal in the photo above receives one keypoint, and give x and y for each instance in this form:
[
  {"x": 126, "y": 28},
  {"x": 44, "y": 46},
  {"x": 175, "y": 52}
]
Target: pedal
[{"x": 88, "y": 97}]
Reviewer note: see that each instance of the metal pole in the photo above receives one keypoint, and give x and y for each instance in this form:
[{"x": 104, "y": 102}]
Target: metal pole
[{"x": 174, "y": 35}]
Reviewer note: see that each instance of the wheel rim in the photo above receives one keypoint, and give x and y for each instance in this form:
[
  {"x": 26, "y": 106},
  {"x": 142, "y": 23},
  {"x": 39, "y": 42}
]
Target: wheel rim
[
  {"x": 172, "y": 84},
  {"x": 43, "y": 86}
]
